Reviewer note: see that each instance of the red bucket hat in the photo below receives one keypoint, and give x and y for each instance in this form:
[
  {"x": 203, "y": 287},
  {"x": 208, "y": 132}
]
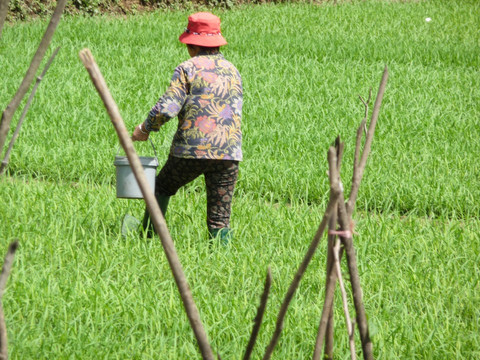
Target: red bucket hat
[{"x": 203, "y": 30}]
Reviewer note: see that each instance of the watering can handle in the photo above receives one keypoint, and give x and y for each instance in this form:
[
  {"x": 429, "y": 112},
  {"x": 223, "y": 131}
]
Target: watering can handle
[{"x": 151, "y": 142}]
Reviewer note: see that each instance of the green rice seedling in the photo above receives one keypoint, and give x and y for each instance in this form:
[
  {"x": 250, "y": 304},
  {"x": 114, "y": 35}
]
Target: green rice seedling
[{"x": 79, "y": 289}]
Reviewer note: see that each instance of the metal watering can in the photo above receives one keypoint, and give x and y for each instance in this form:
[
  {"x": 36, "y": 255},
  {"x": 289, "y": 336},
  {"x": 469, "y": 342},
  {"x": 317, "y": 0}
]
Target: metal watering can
[{"x": 127, "y": 185}]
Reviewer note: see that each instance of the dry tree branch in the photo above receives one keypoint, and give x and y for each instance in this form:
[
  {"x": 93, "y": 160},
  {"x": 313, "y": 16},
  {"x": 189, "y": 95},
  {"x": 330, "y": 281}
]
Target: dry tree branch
[
  {"x": 345, "y": 221},
  {"x": 335, "y": 191},
  {"x": 7, "y": 266},
  {"x": 3, "y": 14},
  {"x": 257, "y": 322},
  {"x": 345, "y": 225},
  {"x": 336, "y": 254},
  {"x": 359, "y": 168},
  {"x": 6, "y": 158},
  {"x": 27, "y": 80},
  {"x": 152, "y": 204},
  {"x": 325, "y": 328},
  {"x": 328, "y": 352}
]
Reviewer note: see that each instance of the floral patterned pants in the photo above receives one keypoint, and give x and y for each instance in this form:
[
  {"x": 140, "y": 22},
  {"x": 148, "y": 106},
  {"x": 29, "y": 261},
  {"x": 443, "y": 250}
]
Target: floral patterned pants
[{"x": 220, "y": 179}]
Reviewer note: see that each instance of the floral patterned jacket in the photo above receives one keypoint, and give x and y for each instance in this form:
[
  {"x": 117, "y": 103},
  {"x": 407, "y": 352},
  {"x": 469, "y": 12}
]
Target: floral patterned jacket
[{"x": 207, "y": 96}]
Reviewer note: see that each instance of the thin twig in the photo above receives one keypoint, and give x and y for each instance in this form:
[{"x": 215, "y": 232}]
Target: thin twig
[
  {"x": 257, "y": 322},
  {"x": 361, "y": 128},
  {"x": 24, "y": 113},
  {"x": 7, "y": 266},
  {"x": 334, "y": 194},
  {"x": 336, "y": 252},
  {"x": 152, "y": 204},
  {"x": 359, "y": 167},
  {"x": 29, "y": 76}
]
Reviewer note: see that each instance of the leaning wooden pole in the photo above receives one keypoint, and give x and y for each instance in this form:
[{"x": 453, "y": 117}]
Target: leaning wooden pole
[
  {"x": 329, "y": 340},
  {"x": 7, "y": 114},
  {"x": 6, "y": 158},
  {"x": 345, "y": 221},
  {"x": 3, "y": 14},
  {"x": 331, "y": 279},
  {"x": 7, "y": 266},
  {"x": 257, "y": 322},
  {"x": 328, "y": 352},
  {"x": 152, "y": 205}
]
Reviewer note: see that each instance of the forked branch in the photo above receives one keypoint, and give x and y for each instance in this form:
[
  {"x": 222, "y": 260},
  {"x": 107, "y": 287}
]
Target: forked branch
[{"x": 359, "y": 164}]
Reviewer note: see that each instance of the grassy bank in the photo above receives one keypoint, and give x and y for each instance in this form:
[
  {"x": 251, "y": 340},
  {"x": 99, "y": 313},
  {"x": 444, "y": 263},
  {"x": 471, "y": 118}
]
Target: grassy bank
[{"x": 80, "y": 290}]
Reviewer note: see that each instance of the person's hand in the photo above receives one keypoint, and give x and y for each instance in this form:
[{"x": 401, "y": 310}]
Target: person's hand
[{"x": 140, "y": 134}]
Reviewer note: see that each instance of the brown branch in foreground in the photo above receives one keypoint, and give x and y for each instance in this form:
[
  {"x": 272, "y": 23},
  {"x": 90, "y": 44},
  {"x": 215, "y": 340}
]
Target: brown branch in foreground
[
  {"x": 359, "y": 168},
  {"x": 3, "y": 14},
  {"x": 336, "y": 254},
  {"x": 6, "y": 158},
  {"x": 325, "y": 327},
  {"x": 257, "y": 322},
  {"x": 329, "y": 340},
  {"x": 7, "y": 266},
  {"x": 345, "y": 225},
  {"x": 327, "y": 308},
  {"x": 27, "y": 80},
  {"x": 345, "y": 212},
  {"x": 334, "y": 195},
  {"x": 345, "y": 221},
  {"x": 152, "y": 205},
  {"x": 328, "y": 352}
]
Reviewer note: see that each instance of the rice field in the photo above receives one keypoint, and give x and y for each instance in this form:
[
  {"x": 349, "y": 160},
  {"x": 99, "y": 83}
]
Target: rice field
[{"x": 80, "y": 290}]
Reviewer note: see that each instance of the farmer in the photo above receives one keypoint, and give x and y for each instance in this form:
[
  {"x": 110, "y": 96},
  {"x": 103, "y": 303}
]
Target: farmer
[{"x": 205, "y": 94}]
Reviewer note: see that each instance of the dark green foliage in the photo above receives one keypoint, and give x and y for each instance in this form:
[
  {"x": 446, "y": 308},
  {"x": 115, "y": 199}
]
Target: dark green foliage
[{"x": 23, "y": 10}]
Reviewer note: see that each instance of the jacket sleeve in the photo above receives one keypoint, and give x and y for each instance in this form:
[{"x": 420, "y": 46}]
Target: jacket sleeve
[{"x": 170, "y": 103}]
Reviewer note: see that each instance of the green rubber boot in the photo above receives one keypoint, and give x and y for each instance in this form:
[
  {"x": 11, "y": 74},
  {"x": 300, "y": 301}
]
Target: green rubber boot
[
  {"x": 225, "y": 235},
  {"x": 147, "y": 225}
]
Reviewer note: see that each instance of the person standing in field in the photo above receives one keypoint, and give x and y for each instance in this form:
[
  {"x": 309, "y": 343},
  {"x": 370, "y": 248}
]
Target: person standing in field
[{"x": 206, "y": 96}]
